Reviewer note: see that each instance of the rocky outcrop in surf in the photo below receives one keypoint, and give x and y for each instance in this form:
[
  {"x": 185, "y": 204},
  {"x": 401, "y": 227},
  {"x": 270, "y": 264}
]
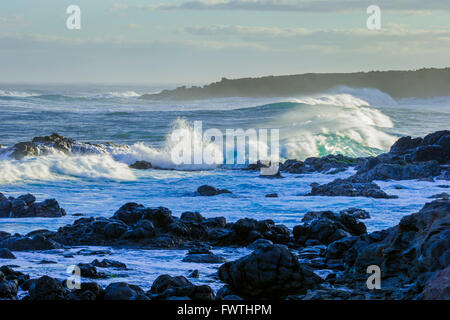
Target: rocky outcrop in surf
[
  {"x": 26, "y": 206},
  {"x": 39, "y": 146},
  {"x": 410, "y": 255}
]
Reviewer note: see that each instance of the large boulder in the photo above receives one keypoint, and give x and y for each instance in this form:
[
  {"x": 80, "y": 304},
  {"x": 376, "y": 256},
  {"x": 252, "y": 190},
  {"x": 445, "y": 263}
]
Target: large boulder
[
  {"x": 327, "y": 227},
  {"x": 124, "y": 291},
  {"x": 46, "y": 288},
  {"x": 166, "y": 287},
  {"x": 269, "y": 272},
  {"x": 8, "y": 289}
]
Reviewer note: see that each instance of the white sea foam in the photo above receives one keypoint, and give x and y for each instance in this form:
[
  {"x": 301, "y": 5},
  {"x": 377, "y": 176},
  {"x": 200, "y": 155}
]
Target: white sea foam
[
  {"x": 59, "y": 166},
  {"x": 18, "y": 94}
]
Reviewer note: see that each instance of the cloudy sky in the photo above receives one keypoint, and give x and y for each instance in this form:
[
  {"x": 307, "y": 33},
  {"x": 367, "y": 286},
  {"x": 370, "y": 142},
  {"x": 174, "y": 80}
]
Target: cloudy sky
[{"x": 198, "y": 41}]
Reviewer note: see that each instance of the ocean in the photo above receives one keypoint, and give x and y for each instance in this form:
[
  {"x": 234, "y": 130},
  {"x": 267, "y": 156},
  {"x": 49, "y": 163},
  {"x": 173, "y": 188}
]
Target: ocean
[{"x": 353, "y": 122}]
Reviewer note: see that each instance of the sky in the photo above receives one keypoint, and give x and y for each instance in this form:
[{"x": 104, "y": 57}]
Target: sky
[{"x": 200, "y": 41}]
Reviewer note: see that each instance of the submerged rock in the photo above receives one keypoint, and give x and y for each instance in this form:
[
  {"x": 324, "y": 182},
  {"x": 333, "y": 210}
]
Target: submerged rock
[{"x": 208, "y": 191}]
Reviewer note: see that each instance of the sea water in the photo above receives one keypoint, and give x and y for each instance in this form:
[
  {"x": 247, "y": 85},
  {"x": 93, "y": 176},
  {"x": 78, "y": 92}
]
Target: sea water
[{"x": 353, "y": 122}]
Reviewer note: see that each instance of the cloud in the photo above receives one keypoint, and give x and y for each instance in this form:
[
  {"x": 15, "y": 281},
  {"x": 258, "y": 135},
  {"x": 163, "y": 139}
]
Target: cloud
[
  {"x": 116, "y": 6},
  {"x": 273, "y": 38},
  {"x": 14, "y": 20},
  {"x": 410, "y": 6}
]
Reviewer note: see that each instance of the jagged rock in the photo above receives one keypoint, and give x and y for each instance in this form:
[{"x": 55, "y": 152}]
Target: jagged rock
[
  {"x": 349, "y": 188},
  {"x": 26, "y": 206},
  {"x": 106, "y": 263},
  {"x": 124, "y": 291},
  {"x": 166, "y": 286},
  {"x": 357, "y": 213},
  {"x": 443, "y": 195},
  {"x": 46, "y": 288},
  {"x": 6, "y": 254},
  {"x": 8, "y": 289},
  {"x": 88, "y": 270},
  {"x": 324, "y": 164},
  {"x": 20, "y": 243},
  {"x": 408, "y": 253},
  {"x": 394, "y": 171},
  {"x": 327, "y": 227},
  {"x": 438, "y": 287},
  {"x": 269, "y": 272}
]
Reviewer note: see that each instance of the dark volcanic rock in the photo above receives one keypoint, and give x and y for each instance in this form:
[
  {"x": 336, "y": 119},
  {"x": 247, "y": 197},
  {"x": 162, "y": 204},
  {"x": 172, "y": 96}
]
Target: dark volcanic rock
[
  {"x": 438, "y": 287},
  {"x": 8, "y": 289},
  {"x": 124, "y": 291},
  {"x": 46, "y": 288},
  {"x": 204, "y": 258},
  {"x": 141, "y": 165},
  {"x": 357, "y": 213},
  {"x": 206, "y": 190},
  {"x": 166, "y": 287},
  {"x": 329, "y": 164},
  {"x": 395, "y": 171},
  {"x": 269, "y": 272},
  {"x": 327, "y": 227},
  {"x": 106, "y": 263},
  {"x": 88, "y": 270},
  {"x": 349, "y": 188},
  {"x": 21, "y": 243},
  {"x": 6, "y": 254},
  {"x": 26, "y": 206},
  {"x": 408, "y": 253}
]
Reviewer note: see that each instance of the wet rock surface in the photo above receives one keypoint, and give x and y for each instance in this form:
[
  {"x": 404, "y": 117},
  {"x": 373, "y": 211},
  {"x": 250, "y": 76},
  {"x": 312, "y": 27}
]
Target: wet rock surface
[
  {"x": 269, "y": 272},
  {"x": 26, "y": 206},
  {"x": 350, "y": 188}
]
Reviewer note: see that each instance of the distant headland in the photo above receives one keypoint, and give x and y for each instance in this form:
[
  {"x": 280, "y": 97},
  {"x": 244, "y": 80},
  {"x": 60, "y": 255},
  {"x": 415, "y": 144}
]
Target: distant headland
[{"x": 422, "y": 83}]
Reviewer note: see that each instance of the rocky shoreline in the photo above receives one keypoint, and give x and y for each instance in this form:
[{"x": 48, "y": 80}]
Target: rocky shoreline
[{"x": 413, "y": 256}]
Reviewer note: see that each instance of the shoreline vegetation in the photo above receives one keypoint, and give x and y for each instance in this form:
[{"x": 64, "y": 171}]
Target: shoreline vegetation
[
  {"x": 422, "y": 83},
  {"x": 414, "y": 255}
]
